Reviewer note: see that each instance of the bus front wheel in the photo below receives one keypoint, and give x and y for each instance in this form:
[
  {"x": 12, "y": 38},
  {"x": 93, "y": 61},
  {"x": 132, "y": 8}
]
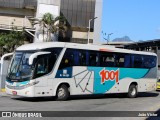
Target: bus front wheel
[
  {"x": 62, "y": 93},
  {"x": 132, "y": 92}
]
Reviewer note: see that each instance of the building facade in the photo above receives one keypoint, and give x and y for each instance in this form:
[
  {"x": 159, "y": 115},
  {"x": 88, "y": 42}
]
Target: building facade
[
  {"x": 14, "y": 12},
  {"x": 77, "y": 13}
]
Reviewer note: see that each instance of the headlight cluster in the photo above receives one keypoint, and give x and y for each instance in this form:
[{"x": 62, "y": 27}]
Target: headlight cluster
[{"x": 22, "y": 87}]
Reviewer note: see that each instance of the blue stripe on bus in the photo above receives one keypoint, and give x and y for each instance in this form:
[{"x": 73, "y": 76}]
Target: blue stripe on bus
[{"x": 18, "y": 83}]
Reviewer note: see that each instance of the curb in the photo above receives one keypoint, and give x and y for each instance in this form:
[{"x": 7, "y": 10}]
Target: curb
[
  {"x": 3, "y": 93},
  {"x": 3, "y": 90}
]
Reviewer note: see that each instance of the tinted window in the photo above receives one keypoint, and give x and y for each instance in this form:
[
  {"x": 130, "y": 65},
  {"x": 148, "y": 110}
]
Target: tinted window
[
  {"x": 68, "y": 59},
  {"x": 127, "y": 61},
  {"x": 119, "y": 60},
  {"x": 93, "y": 58},
  {"x": 82, "y": 57},
  {"x": 143, "y": 61},
  {"x": 41, "y": 67},
  {"x": 74, "y": 57},
  {"x": 107, "y": 59},
  {"x": 45, "y": 63},
  {"x": 149, "y": 61},
  {"x": 137, "y": 61},
  {"x": 78, "y": 57}
]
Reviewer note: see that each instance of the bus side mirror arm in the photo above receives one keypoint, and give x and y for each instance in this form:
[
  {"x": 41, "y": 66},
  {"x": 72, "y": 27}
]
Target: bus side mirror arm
[{"x": 35, "y": 55}]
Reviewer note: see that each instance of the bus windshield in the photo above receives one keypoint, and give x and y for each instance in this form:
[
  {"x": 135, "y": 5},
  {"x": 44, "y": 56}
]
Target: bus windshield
[{"x": 20, "y": 70}]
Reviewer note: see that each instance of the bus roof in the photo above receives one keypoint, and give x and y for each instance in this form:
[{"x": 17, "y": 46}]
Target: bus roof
[{"x": 97, "y": 47}]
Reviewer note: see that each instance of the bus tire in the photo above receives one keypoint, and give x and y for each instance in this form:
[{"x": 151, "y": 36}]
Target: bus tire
[
  {"x": 132, "y": 91},
  {"x": 62, "y": 93}
]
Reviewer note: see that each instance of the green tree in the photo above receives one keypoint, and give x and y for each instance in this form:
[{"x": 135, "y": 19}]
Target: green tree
[
  {"x": 10, "y": 41},
  {"x": 52, "y": 25}
]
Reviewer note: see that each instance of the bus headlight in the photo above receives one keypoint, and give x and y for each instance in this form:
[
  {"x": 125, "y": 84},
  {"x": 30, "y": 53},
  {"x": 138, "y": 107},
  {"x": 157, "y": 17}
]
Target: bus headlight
[{"x": 33, "y": 83}]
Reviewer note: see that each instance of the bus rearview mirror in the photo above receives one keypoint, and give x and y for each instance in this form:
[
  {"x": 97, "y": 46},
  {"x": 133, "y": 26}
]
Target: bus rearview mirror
[{"x": 35, "y": 55}]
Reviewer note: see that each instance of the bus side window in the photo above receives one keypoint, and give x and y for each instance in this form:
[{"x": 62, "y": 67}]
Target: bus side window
[
  {"x": 107, "y": 59},
  {"x": 76, "y": 57},
  {"x": 119, "y": 60},
  {"x": 93, "y": 58},
  {"x": 110, "y": 61},
  {"x": 149, "y": 61},
  {"x": 82, "y": 57},
  {"x": 41, "y": 67},
  {"x": 127, "y": 61},
  {"x": 67, "y": 60},
  {"x": 103, "y": 59},
  {"x": 52, "y": 60},
  {"x": 138, "y": 61}
]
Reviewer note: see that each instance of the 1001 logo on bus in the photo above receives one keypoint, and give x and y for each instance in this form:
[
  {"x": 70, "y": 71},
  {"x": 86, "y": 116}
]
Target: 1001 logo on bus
[{"x": 109, "y": 75}]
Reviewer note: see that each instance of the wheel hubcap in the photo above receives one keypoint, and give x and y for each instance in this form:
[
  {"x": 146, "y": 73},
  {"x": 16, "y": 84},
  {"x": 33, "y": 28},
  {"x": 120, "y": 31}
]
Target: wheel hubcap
[
  {"x": 133, "y": 92},
  {"x": 61, "y": 92}
]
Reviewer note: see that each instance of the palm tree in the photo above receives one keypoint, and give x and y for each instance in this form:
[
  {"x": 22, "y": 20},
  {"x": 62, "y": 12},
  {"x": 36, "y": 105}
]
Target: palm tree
[{"x": 51, "y": 25}]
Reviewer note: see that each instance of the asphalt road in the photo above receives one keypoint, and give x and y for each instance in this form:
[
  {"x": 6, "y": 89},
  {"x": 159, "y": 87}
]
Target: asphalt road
[{"x": 111, "y": 102}]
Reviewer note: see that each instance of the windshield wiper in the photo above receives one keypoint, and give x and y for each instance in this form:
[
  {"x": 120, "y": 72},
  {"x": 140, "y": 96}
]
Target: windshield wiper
[
  {"x": 20, "y": 62},
  {"x": 11, "y": 71},
  {"x": 16, "y": 66}
]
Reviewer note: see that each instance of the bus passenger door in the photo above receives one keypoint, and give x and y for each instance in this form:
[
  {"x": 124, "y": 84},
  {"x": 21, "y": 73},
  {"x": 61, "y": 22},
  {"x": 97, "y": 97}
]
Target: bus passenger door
[{"x": 44, "y": 85}]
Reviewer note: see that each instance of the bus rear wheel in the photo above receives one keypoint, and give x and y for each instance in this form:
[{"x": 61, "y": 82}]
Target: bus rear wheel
[
  {"x": 62, "y": 93},
  {"x": 132, "y": 92}
]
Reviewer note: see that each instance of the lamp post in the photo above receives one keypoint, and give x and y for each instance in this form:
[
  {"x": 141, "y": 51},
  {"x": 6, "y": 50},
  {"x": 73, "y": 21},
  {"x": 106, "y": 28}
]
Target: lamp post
[
  {"x": 109, "y": 37},
  {"x": 89, "y": 27}
]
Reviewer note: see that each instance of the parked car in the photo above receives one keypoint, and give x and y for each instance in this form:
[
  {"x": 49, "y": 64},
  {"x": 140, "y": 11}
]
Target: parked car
[
  {"x": 158, "y": 81},
  {"x": 158, "y": 85}
]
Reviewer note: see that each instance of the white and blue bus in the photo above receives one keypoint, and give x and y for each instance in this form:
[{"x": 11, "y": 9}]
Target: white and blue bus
[{"x": 63, "y": 69}]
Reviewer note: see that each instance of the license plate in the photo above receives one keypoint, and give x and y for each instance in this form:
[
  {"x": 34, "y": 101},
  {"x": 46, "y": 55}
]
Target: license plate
[{"x": 14, "y": 92}]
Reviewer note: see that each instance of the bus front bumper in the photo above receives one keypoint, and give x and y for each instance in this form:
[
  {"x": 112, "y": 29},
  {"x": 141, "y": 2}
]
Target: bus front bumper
[{"x": 26, "y": 92}]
